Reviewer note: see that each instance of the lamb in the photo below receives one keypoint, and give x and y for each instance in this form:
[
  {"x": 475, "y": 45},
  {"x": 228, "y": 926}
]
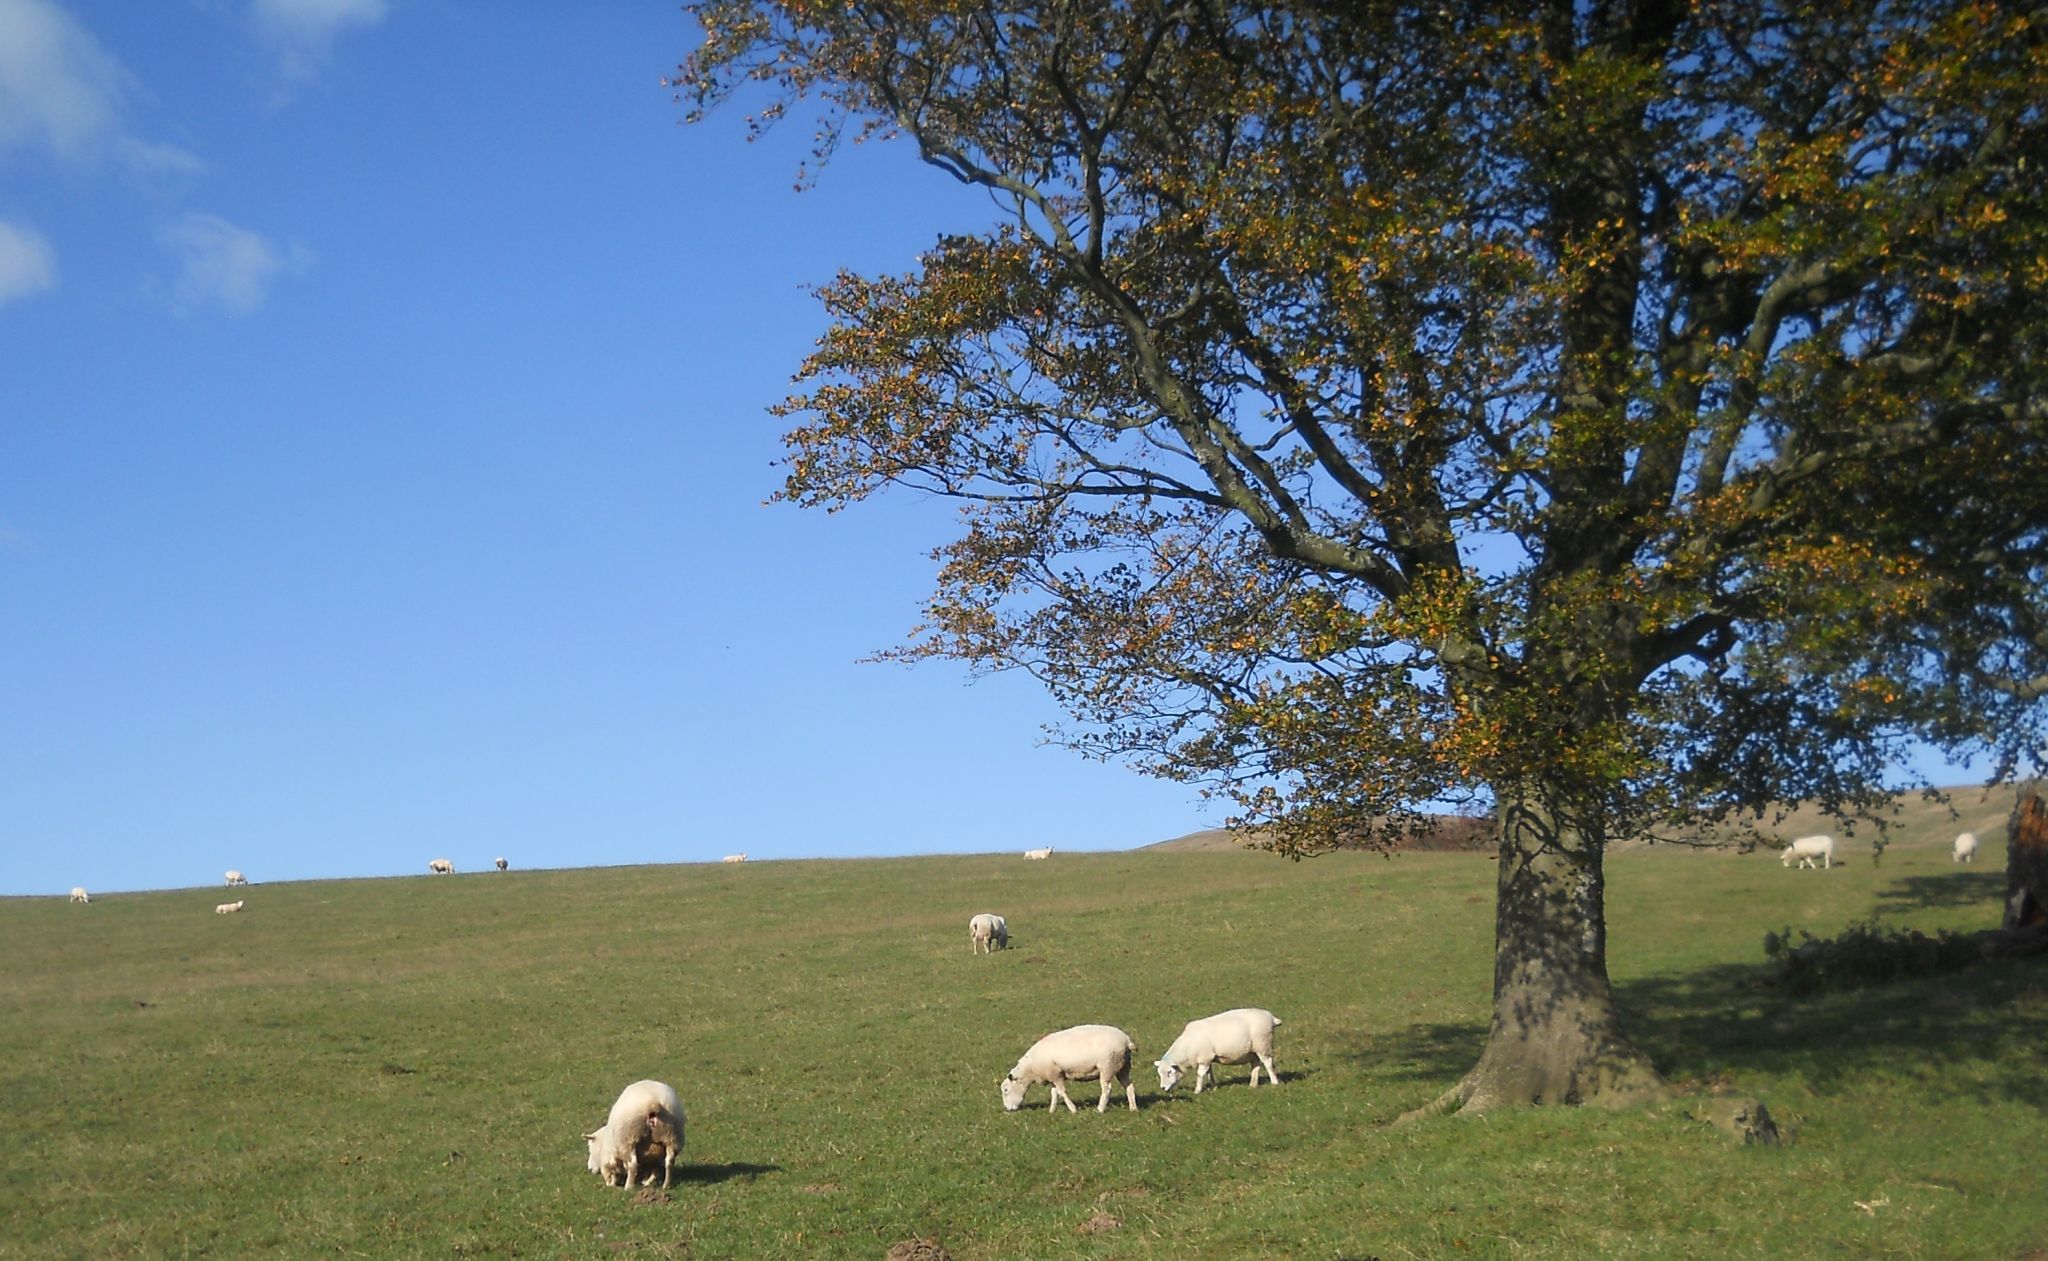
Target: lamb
[
  {"x": 1239, "y": 1036},
  {"x": 1808, "y": 848},
  {"x": 228, "y": 908},
  {"x": 987, "y": 934},
  {"x": 236, "y": 877},
  {"x": 501, "y": 863},
  {"x": 647, "y": 1118},
  {"x": 441, "y": 867},
  {"x": 1966, "y": 847},
  {"x": 1039, "y": 853},
  {"x": 1082, "y": 1053},
  {"x": 733, "y": 858},
  {"x": 78, "y": 894}
]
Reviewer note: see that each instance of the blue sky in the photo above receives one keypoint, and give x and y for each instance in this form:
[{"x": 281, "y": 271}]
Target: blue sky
[
  {"x": 382, "y": 463},
  {"x": 383, "y": 451}
]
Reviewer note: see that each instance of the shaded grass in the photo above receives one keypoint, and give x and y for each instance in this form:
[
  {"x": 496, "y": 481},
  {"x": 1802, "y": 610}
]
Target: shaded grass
[{"x": 403, "y": 1067}]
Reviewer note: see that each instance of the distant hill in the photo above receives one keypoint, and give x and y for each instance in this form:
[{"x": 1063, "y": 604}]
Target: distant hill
[{"x": 1914, "y": 822}]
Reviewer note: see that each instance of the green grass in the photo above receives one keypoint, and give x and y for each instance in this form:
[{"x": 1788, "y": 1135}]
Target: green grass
[{"x": 403, "y": 1067}]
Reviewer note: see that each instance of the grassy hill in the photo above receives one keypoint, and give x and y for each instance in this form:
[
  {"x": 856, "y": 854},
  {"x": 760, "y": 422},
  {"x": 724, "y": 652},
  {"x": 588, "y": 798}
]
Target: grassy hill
[{"x": 403, "y": 1067}]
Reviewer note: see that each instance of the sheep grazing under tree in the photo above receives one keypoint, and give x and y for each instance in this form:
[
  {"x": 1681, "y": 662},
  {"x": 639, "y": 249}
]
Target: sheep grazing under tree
[
  {"x": 78, "y": 894},
  {"x": 1082, "y": 1053},
  {"x": 235, "y": 878},
  {"x": 1242, "y": 1035},
  {"x": 987, "y": 934},
  {"x": 646, "y": 1123},
  {"x": 1808, "y": 848},
  {"x": 1966, "y": 847},
  {"x": 441, "y": 867}
]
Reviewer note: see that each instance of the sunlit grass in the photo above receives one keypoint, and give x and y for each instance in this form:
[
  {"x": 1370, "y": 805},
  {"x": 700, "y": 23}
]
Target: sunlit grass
[{"x": 403, "y": 1067}]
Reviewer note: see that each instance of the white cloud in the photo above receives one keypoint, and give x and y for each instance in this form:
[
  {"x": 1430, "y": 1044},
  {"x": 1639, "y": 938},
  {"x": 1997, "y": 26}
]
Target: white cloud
[
  {"x": 27, "y": 263},
  {"x": 61, "y": 91},
  {"x": 303, "y": 31},
  {"x": 224, "y": 265}
]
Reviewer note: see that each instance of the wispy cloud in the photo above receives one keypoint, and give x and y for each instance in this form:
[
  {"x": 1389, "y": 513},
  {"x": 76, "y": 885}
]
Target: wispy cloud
[
  {"x": 224, "y": 266},
  {"x": 302, "y": 32},
  {"x": 27, "y": 263},
  {"x": 62, "y": 92}
]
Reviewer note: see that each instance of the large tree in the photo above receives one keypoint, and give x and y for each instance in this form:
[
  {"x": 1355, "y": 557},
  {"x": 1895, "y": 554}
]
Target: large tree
[{"x": 1617, "y": 412}]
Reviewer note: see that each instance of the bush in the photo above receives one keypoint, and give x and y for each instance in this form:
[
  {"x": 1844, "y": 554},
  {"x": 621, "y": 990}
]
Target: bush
[{"x": 1865, "y": 954}]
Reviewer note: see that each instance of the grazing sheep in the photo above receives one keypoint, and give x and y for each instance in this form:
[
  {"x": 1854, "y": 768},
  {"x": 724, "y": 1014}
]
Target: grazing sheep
[
  {"x": 1242, "y": 1035},
  {"x": 500, "y": 863},
  {"x": 1966, "y": 847},
  {"x": 647, "y": 1118},
  {"x": 1808, "y": 848},
  {"x": 987, "y": 934},
  {"x": 80, "y": 895},
  {"x": 236, "y": 877},
  {"x": 1039, "y": 853},
  {"x": 441, "y": 867},
  {"x": 227, "y": 908},
  {"x": 1082, "y": 1053},
  {"x": 733, "y": 858}
]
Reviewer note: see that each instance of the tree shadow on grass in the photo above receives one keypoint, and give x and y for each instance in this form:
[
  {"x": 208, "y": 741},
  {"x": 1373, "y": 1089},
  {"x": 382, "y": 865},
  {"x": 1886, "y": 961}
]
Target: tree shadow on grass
[
  {"x": 708, "y": 1174},
  {"x": 1956, "y": 1035},
  {"x": 1968, "y": 889}
]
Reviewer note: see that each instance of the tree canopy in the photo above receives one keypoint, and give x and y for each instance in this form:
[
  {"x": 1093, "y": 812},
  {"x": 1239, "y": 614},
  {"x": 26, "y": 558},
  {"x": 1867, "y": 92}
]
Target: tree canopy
[{"x": 1615, "y": 412}]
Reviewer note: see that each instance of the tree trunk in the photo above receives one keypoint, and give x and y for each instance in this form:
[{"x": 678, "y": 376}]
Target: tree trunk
[
  {"x": 2026, "y": 863},
  {"x": 1555, "y": 1036}
]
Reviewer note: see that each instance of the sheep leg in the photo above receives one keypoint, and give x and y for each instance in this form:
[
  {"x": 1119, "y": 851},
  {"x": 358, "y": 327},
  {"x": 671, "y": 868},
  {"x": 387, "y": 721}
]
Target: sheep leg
[
  {"x": 668, "y": 1165},
  {"x": 1201, "y": 1076},
  {"x": 1272, "y": 1078},
  {"x": 1130, "y": 1091},
  {"x": 632, "y": 1164},
  {"x": 1102, "y": 1104}
]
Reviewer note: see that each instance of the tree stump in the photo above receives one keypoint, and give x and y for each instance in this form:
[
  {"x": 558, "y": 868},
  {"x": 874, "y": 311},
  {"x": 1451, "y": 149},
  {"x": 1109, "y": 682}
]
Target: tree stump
[{"x": 2026, "y": 863}]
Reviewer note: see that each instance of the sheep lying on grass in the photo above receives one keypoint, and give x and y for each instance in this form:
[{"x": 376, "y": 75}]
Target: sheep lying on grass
[
  {"x": 987, "y": 933},
  {"x": 228, "y": 908},
  {"x": 733, "y": 858},
  {"x": 1039, "y": 853},
  {"x": 1808, "y": 848},
  {"x": 235, "y": 878},
  {"x": 646, "y": 1121},
  {"x": 1082, "y": 1053},
  {"x": 1966, "y": 847},
  {"x": 78, "y": 894},
  {"x": 1242, "y": 1035}
]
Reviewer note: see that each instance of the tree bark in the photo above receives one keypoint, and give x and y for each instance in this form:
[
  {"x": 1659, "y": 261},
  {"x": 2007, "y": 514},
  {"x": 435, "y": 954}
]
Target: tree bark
[{"x": 1555, "y": 1036}]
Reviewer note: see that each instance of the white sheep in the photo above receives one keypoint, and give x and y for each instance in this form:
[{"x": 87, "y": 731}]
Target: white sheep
[
  {"x": 1082, "y": 1053},
  {"x": 733, "y": 858},
  {"x": 236, "y": 877},
  {"x": 78, "y": 894},
  {"x": 1966, "y": 847},
  {"x": 441, "y": 867},
  {"x": 500, "y": 863},
  {"x": 228, "y": 908},
  {"x": 1808, "y": 848},
  {"x": 987, "y": 933},
  {"x": 1039, "y": 853},
  {"x": 1242, "y": 1035},
  {"x": 646, "y": 1119}
]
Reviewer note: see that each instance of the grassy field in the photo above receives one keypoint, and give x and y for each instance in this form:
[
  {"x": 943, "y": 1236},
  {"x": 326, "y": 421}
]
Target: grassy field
[{"x": 403, "y": 1067}]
